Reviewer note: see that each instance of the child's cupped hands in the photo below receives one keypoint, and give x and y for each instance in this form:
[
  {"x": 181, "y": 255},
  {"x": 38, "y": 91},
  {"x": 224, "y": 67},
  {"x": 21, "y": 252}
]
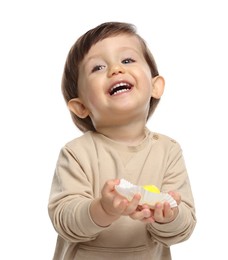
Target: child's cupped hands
[{"x": 116, "y": 205}]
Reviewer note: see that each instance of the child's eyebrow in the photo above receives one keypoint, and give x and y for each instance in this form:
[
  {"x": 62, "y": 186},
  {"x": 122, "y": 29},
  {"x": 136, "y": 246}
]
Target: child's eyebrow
[{"x": 93, "y": 57}]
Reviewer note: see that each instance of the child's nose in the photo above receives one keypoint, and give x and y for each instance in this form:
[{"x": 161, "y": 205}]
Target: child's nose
[{"x": 116, "y": 69}]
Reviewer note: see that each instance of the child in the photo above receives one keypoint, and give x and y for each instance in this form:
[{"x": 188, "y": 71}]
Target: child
[{"x": 112, "y": 86}]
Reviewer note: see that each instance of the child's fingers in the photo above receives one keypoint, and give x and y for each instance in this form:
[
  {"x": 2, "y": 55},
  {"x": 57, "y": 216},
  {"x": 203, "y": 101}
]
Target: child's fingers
[
  {"x": 120, "y": 204},
  {"x": 168, "y": 212},
  {"x": 163, "y": 213},
  {"x": 109, "y": 186},
  {"x": 132, "y": 205},
  {"x": 176, "y": 196},
  {"x": 143, "y": 215},
  {"x": 158, "y": 212}
]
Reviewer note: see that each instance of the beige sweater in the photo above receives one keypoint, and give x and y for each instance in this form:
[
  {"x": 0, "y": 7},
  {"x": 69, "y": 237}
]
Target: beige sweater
[{"x": 84, "y": 165}]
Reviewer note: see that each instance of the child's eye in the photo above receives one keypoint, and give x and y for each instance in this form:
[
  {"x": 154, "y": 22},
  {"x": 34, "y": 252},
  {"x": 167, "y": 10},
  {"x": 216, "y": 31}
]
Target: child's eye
[
  {"x": 128, "y": 60},
  {"x": 98, "y": 67}
]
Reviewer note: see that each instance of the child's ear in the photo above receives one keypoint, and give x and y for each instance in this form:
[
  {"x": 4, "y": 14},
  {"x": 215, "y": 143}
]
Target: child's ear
[
  {"x": 77, "y": 107},
  {"x": 158, "y": 87}
]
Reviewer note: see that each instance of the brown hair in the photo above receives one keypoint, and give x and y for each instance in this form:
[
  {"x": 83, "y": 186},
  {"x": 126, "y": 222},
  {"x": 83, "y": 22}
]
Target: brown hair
[{"x": 78, "y": 51}]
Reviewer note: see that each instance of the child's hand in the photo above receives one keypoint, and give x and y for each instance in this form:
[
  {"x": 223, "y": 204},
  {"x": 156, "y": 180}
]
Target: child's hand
[
  {"x": 163, "y": 213},
  {"x": 114, "y": 204}
]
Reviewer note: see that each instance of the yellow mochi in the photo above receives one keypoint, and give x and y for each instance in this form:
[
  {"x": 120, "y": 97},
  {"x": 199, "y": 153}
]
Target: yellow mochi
[{"x": 151, "y": 188}]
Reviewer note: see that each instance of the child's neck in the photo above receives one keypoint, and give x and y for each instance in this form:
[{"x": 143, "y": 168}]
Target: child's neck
[{"x": 131, "y": 134}]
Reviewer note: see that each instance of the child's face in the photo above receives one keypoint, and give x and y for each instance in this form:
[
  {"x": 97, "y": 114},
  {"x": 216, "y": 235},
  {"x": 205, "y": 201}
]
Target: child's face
[{"x": 115, "y": 82}]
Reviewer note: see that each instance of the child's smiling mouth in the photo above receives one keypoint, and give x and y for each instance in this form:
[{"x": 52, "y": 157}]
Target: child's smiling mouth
[{"x": 120, "y": 88}]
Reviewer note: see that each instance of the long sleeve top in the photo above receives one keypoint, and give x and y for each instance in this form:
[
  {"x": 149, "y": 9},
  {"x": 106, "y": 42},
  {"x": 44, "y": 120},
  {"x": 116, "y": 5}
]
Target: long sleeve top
[{"x": 84, "y": 165}]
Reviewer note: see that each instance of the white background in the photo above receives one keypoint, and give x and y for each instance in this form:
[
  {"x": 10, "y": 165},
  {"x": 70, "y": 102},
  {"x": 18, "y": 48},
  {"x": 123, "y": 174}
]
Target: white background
[{"x": 189, "y": 42}]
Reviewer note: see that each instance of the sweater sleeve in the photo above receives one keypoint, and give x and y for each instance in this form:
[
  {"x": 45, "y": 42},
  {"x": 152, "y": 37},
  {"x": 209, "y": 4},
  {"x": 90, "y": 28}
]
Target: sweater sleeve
[
  {"x": 176, "y": 179},
  {"x": 70, "y": 198}
]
